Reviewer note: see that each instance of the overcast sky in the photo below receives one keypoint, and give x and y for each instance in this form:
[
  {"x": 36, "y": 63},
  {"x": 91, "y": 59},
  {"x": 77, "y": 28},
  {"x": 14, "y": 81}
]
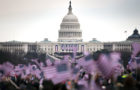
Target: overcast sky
[{"x": 34, "y": 20}]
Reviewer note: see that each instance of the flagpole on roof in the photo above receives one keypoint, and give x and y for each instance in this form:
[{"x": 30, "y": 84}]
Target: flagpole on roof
[{"x": 125, "y": 34}]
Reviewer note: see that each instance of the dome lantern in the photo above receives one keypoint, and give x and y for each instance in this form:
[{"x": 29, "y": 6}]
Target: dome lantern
[{"x": 70, "y": 8}]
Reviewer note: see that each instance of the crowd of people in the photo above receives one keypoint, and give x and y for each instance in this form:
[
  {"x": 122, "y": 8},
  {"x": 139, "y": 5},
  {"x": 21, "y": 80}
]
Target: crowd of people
[
  {"x": 99, "y": 71},
  {"x": 126, "y": 81}
]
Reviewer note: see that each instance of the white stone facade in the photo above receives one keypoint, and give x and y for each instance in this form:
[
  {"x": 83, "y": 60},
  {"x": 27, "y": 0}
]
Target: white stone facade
[
  {"x": 14, "y": 47},
  {"x": 70, "y": 28},
  {"x": 119, "y": 46},
  {"x": 70, "y": 37}
]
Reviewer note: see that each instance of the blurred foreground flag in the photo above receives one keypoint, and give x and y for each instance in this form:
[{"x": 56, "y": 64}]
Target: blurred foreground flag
[
  {"x": 109, "y": 64},
  {"x": 134, "y": 63},
  {"x": 19, "y": 67},
  {"x": 136, "y": 49},
  {"x": 74, "y": 72},
  {"x": 62, "y": 73},
  {"x": 104, "y": 65},
  {"x": 7, "y": 67},
  {"x": 86, "y": 60},
  {"x": 48, "y": 62},
  {"x": 49, "y": 72}
]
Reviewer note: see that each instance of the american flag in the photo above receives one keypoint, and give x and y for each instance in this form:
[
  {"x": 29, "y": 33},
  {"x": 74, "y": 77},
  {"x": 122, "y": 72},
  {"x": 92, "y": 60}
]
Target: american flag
[
  {"x": 57, "y": 62},
  {"x": 80, "y": 61},
  {"x": 62, "y": 73},
  {"x": 23, "y": 74},
  {"x": 109, "y": 64},
  {"x": 136, "y": 49},
  {"x": 8, "y": 64},
  {"x": 20, "y": 68},
  {"x": 85, "y": 61},
  {"x": 36, "y": 61},
  {"x": 134, "y": 63},
  {"x": 75, "y": 72},
  {"x": 49, "y": 72},
  {"x": 28, "y": 71},
  {"x": 104, "y": 65},
  {"x": 83, "y": 82},
  {"x": 66, "y": 57},
  {"x": 41, "y": 64},
  {"x": 38, "y": 74},
  {"x": 90, "y": 68},
  {"x": 5, "y": 69},
  {"x": 12, "y": 73},
  {"x": 48, "y": 62},
  {"x": 32, "y": 69}
]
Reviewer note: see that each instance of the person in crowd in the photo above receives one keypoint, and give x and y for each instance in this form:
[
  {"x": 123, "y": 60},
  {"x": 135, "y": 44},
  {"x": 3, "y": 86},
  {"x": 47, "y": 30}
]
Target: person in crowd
[{"x": 48, "y": 85}]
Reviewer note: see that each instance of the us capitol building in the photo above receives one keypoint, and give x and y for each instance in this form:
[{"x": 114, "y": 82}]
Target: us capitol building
[{"x": 70, "y": 38}]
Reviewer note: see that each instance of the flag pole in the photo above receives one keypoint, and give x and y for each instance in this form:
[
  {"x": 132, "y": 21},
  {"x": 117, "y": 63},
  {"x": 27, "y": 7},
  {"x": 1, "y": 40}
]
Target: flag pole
[{"x": 125, "y": 34}]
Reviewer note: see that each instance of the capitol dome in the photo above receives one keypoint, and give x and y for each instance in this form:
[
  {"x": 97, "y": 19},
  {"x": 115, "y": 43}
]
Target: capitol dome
[
  {"x": 70, "y": 18},
  {"x": 70, "y": 28}
]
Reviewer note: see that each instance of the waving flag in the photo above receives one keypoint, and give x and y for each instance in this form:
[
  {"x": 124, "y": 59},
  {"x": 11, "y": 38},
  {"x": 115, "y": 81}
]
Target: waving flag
[
  {"x": 38, "y": 74},
  {"x": 36, "y": 61},
  {"x": 48, "y": 62},
  {"x": 134, "y": 63},
  {"x": 80, "y": 61},
  {"x": 85, "y": 61},
  {"x": 57, "y": 62},
  {"x": 8, "y": 64},
  {"x": 7, "y": 68},
  {"x": 104, "y": 65},
  {"x": 12, "y": 73},
  {"x": 109, "y": 64},
  {"x": 116, "y": 65},
  {"x": 66, "y": 58},
  {"x": 41, "y": 64},
  {"x": 27, "y": 71},
  {"x": 49, "y": 72},
  {"x": 31, "y": 69},
  {"x": 84, "y": 83},
  {"x": 136, "y": 49},
  {"x": 74, "y": 72},
  {"x": 62, "y": 73}
]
